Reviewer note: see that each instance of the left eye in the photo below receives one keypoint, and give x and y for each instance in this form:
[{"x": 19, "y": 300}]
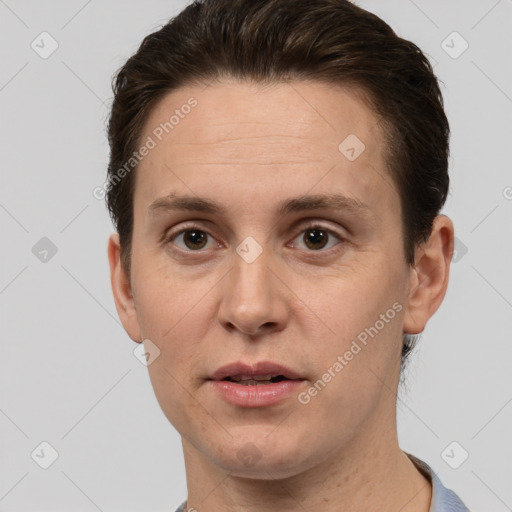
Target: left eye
[{"x": 316, "y": 238}]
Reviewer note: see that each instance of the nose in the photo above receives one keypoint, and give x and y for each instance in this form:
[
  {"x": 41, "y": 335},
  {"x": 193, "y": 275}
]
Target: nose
[{"x": 253, "y": 298}]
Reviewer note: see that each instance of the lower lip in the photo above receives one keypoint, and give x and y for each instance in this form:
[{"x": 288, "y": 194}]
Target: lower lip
[{"x": 261, "y": 395}]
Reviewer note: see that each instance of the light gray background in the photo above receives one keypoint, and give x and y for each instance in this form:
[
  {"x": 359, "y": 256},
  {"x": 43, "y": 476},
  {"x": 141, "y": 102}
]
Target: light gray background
[{"x": 68, "y": 374}]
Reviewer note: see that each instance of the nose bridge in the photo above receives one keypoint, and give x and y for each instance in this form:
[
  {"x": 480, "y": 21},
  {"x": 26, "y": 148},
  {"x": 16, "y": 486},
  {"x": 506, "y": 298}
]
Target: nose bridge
[
  {"x": 251, "y": 300},
  {"x": 252, "y": 276}
]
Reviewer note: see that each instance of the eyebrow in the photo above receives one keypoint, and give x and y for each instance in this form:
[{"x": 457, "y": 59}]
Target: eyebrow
[{"x": 173, "y": 202}]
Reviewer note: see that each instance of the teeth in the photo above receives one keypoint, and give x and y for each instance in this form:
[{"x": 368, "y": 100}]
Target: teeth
[
  {"x": 254, "y": 382},
  {"x": 244, "y": 378}
]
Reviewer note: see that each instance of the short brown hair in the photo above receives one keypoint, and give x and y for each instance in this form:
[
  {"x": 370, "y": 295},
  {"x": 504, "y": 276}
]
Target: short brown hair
[{"x": 272, "y": 41}]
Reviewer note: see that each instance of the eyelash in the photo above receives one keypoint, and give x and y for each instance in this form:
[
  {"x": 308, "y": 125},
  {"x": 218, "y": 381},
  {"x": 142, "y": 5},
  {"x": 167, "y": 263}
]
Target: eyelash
[{"x": 168, "y": 238}]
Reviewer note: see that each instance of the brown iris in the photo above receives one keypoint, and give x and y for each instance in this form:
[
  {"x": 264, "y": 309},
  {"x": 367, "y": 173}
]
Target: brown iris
[
  {"x": 315, "y": 238},
  {"x": 194, "y": 239}
]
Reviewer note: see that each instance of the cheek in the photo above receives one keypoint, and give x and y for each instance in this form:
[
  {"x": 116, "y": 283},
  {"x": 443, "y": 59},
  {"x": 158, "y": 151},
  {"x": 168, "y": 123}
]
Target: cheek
[
  {"x": 359, "y": 362},
  {"x": 353, "y": 298},
  {"x": 162, "y": 296},
  {"x": 364, "y": 313},
  {"x": 176, "y": 313}
]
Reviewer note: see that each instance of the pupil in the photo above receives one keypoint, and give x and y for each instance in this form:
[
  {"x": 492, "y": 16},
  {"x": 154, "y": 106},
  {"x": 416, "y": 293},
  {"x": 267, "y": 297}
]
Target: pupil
[
  {"x": 195, "y": 239},
  {"x": 315, "y": 236}
]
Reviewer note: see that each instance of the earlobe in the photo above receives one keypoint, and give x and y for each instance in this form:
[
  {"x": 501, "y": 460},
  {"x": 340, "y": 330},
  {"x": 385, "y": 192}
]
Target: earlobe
[
  {"x": 122, "y": 290},
  {"x": 429, "y": 275}
]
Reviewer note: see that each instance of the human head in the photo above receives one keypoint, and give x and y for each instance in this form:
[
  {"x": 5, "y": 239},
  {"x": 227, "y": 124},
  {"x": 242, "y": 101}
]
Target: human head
[
  {"x": 248, "y": 152},
  {"x": 275, "y": 41}
]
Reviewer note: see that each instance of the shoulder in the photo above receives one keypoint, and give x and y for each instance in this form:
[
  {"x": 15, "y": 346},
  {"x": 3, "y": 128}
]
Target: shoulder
[
  {"x": 443, "y": 499},
  {"x": 182, "y": 507}
]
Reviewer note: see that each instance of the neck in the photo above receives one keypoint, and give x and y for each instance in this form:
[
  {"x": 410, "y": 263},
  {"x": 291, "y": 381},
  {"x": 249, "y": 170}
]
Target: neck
[{"x": 371, "y": 474}]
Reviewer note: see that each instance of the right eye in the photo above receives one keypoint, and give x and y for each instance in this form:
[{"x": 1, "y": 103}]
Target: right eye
[{"x": 191, "y": 239}]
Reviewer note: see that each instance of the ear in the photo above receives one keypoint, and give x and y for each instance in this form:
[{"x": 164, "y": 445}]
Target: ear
[
  {"x": 121, "y": 290},
  {"x": 429, "y": 275}
]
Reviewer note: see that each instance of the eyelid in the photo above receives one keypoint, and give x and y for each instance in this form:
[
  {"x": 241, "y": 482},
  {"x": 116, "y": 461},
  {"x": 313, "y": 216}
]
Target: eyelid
[{"x": 318, "y": 224}]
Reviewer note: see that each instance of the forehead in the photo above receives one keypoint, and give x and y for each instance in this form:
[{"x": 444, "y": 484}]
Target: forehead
[
  {"x": 285, "y": 136},
  {"x": 307, "y": 110}
]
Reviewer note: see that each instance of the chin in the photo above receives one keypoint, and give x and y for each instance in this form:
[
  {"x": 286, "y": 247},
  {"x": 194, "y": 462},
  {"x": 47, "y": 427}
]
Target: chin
[
  {"x": 264, "y": 469},
  {"x": 261, "y": 458}
]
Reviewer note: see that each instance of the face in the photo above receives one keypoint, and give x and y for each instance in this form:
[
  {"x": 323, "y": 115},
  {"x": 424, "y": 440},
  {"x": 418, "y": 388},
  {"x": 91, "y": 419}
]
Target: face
[{"x": 267, "y": 241}]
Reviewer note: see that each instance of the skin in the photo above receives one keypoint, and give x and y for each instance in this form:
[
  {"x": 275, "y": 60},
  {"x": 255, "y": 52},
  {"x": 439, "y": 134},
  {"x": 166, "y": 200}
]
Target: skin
[{"x": 248, "y": 148}]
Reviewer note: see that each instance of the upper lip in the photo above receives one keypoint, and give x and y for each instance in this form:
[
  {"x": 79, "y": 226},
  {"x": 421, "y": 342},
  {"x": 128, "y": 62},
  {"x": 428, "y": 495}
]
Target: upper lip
[{"x": 259, "y": 369}]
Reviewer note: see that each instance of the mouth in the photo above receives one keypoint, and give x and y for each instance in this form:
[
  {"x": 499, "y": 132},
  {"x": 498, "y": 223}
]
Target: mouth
[
  {"x": 258, "y": 374},
  {"x": 262, "y": 384}
]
